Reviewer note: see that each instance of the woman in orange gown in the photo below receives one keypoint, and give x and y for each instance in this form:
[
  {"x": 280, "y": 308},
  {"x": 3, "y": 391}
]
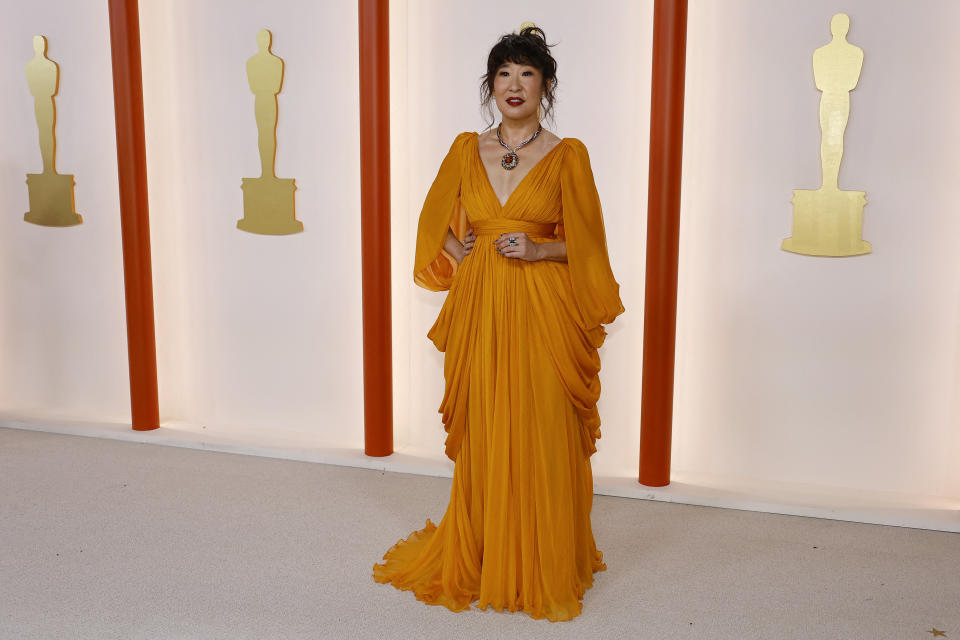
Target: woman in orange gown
[{"x": 522, "y": 251}]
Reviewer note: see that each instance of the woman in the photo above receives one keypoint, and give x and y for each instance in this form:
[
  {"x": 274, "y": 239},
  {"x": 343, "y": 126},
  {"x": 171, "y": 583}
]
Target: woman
[{"x": 512, "y": 227}]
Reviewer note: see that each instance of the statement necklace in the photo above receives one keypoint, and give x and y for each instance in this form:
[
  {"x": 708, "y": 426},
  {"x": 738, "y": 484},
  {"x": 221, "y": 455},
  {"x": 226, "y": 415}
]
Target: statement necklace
[{"x": 510, "y": 160}]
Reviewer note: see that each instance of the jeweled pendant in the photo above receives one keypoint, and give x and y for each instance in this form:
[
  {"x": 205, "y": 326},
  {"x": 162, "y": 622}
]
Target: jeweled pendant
[{"x": 509, "y": 160}]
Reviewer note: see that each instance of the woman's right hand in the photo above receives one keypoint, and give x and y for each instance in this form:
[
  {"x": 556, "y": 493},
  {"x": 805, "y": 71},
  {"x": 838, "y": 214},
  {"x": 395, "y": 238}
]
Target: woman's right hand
[{"x": 468, "y": 243}]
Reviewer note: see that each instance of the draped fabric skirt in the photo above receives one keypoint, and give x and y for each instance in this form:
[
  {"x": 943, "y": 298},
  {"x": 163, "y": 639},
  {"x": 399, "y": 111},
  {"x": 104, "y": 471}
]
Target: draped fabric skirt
[{"x": 516, "y": 534}]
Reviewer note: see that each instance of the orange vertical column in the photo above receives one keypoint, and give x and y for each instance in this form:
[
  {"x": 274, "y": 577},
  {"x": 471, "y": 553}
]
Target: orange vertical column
[
  {"x": 134, "y": 218},
  {"x": 375, "y": 226},
  {"x": 663, "y": 239}
]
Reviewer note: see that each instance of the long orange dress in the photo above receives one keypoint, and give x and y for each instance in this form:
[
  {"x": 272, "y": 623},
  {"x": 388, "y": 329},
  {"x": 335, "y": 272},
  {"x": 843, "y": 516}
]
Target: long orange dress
[{"x": 519, "y": 408}]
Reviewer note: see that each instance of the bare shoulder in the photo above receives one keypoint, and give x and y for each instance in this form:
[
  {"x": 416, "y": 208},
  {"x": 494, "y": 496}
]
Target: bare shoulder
[
  {"x": 543, "y": 145},
  {"x": 487, "y": 139},
  {"x": 550, "y": 139}
]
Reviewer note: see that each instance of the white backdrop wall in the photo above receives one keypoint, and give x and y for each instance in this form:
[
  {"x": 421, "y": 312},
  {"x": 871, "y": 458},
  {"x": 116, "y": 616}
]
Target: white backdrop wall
[
  {"x": 842, "y": 372},
  {"x": 255, "y": 332},
  {"x": 439, "y": 51},
  {"x": 62, "y": 324}
]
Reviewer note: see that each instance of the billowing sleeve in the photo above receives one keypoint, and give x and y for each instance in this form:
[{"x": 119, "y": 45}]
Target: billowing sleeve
[
  {"x": 596, "y": 292},
  {"x": 433, "y": 267}
]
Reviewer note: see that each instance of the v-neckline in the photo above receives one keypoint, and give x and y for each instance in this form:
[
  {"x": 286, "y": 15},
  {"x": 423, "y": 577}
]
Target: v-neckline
[{"x": 493, "y": 192}]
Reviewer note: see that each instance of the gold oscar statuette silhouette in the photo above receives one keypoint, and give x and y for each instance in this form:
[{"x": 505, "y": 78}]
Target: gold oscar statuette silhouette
[
  {"x": 268, "y": 201},
  {"x": 51, "y": 193},
  {"x": 829, "y": 221}
]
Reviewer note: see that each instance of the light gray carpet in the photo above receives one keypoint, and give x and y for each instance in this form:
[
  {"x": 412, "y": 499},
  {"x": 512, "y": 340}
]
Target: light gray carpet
[{"x": 102, "y": 539}]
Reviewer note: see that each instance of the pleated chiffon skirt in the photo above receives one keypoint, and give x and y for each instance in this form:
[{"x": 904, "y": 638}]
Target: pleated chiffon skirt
[{"x": 516, "y": 534}]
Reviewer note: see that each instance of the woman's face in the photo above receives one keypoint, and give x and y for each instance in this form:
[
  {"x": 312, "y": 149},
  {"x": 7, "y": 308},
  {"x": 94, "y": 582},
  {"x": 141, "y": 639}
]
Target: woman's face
[{"x": 517, "y": 88}]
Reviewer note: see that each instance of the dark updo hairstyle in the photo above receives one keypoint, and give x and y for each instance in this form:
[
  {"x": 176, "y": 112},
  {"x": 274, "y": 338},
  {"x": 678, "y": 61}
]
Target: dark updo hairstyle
[{"x": 527, "y": 47}]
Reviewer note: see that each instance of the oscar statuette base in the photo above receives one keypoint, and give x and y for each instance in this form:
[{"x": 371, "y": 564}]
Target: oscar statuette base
[
  {"x": 268, "y": 207},
  {"x": 828, "y": 222},
  {"x": 51, "y": 200}
]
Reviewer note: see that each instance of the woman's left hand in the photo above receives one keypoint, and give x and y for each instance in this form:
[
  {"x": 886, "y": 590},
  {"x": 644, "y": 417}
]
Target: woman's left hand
[{"x": 523, "y": 247}]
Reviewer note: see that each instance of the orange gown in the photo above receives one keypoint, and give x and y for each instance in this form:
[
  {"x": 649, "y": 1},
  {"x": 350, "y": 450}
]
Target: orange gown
[{"x": 519, "y": 407}]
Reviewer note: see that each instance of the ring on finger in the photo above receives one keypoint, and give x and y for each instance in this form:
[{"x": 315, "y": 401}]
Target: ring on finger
[{"x": 513, "y": 242}]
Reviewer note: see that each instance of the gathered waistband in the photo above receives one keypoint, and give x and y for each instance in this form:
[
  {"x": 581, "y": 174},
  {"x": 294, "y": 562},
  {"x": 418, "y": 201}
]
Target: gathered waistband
[{"x": 505, "y": 225}]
